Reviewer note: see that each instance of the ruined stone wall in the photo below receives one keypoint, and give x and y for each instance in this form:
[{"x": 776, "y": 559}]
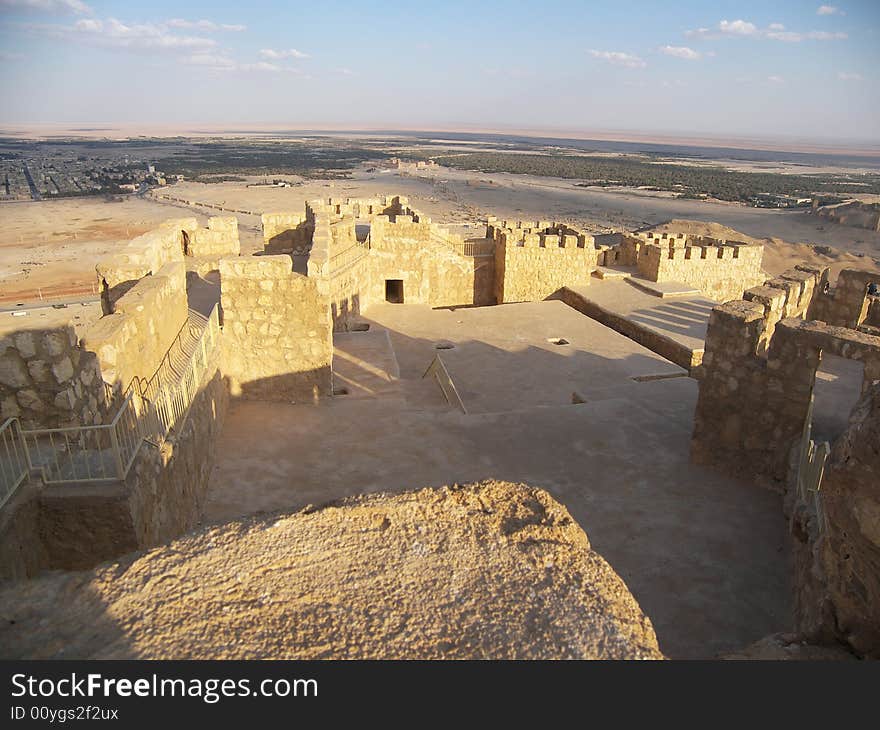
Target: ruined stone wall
[
  {"x": 286, "y": 233},
  {"x": 48, "y": 381},
  {"x": 846, "y": 304},
  {"x": 277, "y": 330},
  {"x": 365, "y": 208},
  {"x": 854, "y": 213},
  {"x": 837, "y": 550},
  {"x": 133, "y": 340},
  {"x": 721, "y": 270},
  {"x": 142, "y": 256},
  {"x": 540, "y": 264},
  {"x": 220, "y": 238},
  {"x": 756, "y": 388},
  {"x": 168, "y": 485},
  {"x": 625, "y": 252}
]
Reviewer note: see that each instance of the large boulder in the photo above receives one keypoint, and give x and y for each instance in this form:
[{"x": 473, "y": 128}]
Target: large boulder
[{"x": 491, "y": 570}]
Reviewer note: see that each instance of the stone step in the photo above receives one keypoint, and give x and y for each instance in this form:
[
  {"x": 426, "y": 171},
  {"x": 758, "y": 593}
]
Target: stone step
[
  {"x": 607, "y": 272},
  {"x": 663, "y": 289}
]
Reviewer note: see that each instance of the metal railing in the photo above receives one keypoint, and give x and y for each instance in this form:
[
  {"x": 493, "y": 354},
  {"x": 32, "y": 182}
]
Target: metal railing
[
  {"x": 89, "y": 453},
  {"x": 437, "y": 368},
  {"x": 174, "y": 385},
  {"x": 148, "y": 411},
  {"x": 475, "y": 248},
  {"x": 13, "y": 459},
  {"x": 466, "y": 248},
  {"x": 348, "y": 256}
]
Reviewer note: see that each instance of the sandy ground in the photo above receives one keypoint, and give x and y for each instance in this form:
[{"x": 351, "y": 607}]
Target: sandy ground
[
  {"x": 705, "y": 555},
  {"x": 51, "y": 247}
]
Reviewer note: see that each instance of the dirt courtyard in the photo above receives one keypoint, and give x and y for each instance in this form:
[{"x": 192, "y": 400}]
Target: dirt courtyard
[{"x": 705, "y": 555}]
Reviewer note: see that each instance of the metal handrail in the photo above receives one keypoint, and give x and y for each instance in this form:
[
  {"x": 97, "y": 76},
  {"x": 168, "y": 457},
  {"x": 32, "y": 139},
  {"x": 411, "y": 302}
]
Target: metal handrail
[
  {"x": 13, "y": 459},
  {"x": 106, "y": 452}
]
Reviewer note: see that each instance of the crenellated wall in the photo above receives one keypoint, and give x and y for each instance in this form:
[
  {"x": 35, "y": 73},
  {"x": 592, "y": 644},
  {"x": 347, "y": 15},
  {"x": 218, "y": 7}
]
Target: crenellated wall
[
  {"x": 425, "y": 257},
  {"x": 758, "y": 372},
  {"x": 533, "y": 262},
  {"x": 722, "y": 270},
  {"x": 277, "y": 331}
]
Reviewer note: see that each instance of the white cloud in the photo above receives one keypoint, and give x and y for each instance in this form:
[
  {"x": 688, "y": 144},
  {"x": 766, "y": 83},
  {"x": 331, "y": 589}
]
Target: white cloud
[
  {"x": 773, "y": 32},
  {"x": 776, "y": 79},
  {"x": 52, "y": 6},
  {"x": 689, "y": 54},
  {"x": 345, "y": 71},
  {"x": 211, "y": 61},
  {"x": 788, "y": 36},
  {"x": 619, "y": 58},
  {"x": 829, "y": 10},
  {"x": 204, "y": 25},
  {"x": 737, "y": 27},
  {"x": 260, "y": 66},
  {"x": 7, "y": 56},
  {"x": 846, "y": 76},
  {"x": 278, "y": 55},
  {"x": 219, "y": 62},
  {"x": 112, "y": 33}
]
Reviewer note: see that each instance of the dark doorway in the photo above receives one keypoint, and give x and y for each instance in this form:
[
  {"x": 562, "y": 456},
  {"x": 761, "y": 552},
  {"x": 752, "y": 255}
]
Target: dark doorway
[
  {"x": 185, "y": 242},
  {"x": 394, "y": 291}
]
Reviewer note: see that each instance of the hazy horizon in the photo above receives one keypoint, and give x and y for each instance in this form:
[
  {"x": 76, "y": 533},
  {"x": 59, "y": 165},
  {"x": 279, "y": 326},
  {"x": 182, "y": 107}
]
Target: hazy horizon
[{"x": 795, "y": 72}]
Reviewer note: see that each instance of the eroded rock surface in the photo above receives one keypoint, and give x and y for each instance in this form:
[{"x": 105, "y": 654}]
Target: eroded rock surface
[{"x": 492, "y": 570}]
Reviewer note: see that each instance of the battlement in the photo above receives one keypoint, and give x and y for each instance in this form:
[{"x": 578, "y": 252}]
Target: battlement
[
  {"x": 363, "y": 208},
  {"x": 760, "y": 363},
  {"x": 523, "y": 233},
  {"x": 720, "y": 269}
]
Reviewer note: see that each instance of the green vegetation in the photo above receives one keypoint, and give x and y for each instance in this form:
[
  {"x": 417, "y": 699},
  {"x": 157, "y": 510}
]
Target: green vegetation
[
  {"x": 688, "y": 181},
  {"x": 312, "y": 159}
]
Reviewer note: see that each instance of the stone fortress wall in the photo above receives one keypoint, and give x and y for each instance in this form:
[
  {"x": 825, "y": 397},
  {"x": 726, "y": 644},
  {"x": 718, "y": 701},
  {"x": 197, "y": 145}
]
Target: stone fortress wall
[
  {"x": 277, "y": 333},
  {"x": 856, "y": 213},
  {"x": 276, "y": 344},
  {"x": 755, "y": 400},
  {"x": 535, "y": 259},
  {"x": 720, "y": 269},
  {"x": 761, "y": 356}
]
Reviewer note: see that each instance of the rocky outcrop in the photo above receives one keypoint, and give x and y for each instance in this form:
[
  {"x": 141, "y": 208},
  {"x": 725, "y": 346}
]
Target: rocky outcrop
[{"x": 490, "y": 571}]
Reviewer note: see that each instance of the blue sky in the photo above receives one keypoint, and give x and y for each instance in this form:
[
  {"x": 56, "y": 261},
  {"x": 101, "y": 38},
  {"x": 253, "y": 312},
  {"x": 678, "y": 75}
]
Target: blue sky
[{"x": 786, "y": 68}]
